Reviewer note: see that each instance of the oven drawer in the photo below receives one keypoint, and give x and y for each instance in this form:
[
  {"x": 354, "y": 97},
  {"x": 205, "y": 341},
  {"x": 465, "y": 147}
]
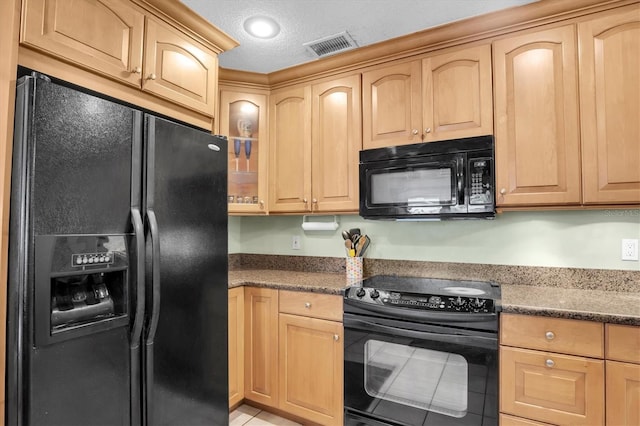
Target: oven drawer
[
  {"x": 547, "y": 387},
  {"x": 623, "y": 343},
  {"x": 573, "y": 337},
  {"x": 315, "y": 305}
]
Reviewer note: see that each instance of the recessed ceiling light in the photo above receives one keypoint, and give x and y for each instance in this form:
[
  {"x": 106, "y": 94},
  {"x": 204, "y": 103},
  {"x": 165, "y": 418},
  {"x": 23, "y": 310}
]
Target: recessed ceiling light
[{"x": 261, "y": 27}]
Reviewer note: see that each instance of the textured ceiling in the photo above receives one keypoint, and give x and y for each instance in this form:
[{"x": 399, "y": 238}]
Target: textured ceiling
[{"x": 301, "y": 21}]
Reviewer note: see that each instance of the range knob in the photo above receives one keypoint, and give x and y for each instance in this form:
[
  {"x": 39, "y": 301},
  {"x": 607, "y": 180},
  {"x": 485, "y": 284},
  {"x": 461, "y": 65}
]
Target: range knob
[
  {"x": 458, "y": 303},
  {"x": 374, "y": 294},
  {"x": 360, "y": 293},
  {"x": 478, "y": 303}
]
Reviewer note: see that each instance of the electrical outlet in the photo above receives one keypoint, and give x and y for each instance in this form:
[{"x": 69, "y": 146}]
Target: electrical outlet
[
  {"x": 295, "y": 242},
  {"x": 629, "y": 249}
]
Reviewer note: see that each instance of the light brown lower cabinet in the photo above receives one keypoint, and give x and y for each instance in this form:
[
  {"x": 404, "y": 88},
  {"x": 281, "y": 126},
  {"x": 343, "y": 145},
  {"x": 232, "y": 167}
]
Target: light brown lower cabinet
[
  {"x": 623, "y": 393},
  {"x": 261, "y": 345},
  {"x": 311, "y": 353},
  {"x": 623, "y": 375},
  {"x": 236, "y": 345},
  {"x": 506, "y": 420},
  {"x": 568, "y": 372},
  {"x": 550, "y": 387},
  {"x": 294, "y": 353}
]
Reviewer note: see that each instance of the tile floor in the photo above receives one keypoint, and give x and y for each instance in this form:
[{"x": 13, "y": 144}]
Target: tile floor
[{"x": 246, "y": 415}]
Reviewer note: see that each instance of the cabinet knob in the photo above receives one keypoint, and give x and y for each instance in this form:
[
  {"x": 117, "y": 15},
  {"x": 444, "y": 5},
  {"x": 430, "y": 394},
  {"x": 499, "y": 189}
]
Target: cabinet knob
[
  {"x": 549, "y": 363},
  {"x": 307, "y": 305},
  {"x": 503, "y": 191},
  {"x": 427, "y": 130},
  {"x": 414, "y": 132},
  {"x": 314, "y": 201},
  {"x": 336, "y": 337},
  {"x": 304, "y": 200},
  {"x": 137, "y": 70},
  {"x": 151, "y": 77},
  {"x": 549, "y": 335},
  {"x": 262, "y": 204}
]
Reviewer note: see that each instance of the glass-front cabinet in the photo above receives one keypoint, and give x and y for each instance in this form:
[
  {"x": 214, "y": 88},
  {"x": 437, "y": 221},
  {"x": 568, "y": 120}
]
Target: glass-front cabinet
[{"x": 243, "y": 120}]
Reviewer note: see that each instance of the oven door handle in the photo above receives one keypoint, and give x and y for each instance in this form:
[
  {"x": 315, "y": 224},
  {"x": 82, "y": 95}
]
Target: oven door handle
[{"x": 458, "y": 339}]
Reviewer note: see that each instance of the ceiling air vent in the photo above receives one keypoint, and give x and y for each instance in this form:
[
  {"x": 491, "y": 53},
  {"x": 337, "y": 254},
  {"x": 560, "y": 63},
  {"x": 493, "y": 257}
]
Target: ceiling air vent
[{"x": 329, "y": 45}]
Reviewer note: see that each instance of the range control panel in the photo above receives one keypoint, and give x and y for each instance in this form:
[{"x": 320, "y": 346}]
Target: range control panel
[
  {"x": 426, "y": 302},
  {"x": 87, "y": 259}
]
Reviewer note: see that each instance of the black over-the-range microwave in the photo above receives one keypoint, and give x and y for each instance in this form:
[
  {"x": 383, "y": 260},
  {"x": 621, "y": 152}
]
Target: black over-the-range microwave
[{"x": 451, "y": 179}]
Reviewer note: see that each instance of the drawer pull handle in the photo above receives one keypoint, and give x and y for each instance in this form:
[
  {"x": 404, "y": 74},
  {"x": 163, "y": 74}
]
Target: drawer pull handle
[
  {"x": 549, "y": 335},
  {"x": 336, "y": 337},
  {"x": 549, "y": 363},
  {"x": 307, "y": 305}
]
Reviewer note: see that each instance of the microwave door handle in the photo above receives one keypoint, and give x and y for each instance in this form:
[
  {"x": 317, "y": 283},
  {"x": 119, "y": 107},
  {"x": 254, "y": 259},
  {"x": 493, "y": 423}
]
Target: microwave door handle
[
  {"x": 461, "y": 179},
  {"x": 475, "y": 341}
]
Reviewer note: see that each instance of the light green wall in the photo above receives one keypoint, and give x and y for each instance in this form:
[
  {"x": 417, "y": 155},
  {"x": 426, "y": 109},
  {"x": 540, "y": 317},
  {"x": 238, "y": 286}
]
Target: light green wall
[{"x": 581, "y": 239}]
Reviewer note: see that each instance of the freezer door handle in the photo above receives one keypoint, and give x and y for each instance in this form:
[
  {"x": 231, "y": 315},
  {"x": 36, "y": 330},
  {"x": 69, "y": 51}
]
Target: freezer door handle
[
  {"x": 138, "y": 230},
  {"x": 155, "y": 276}
]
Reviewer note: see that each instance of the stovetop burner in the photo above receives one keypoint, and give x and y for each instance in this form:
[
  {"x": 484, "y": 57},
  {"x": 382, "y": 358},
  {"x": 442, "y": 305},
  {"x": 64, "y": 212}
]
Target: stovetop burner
[{"x": 426, "y": 294}]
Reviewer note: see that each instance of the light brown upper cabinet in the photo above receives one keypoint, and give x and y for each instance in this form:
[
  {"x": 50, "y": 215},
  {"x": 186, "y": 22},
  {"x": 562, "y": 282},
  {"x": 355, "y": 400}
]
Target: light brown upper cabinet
[
  {"x": 290, "y": 149},
  {"x": 120, "y": 40},
  {"x": 392, "y": 106},
  {"x": 336, "y": 141},
  {"x": 105, "y": 36},
  {"x": 457, "y": 94},
  {"x": 179, "y": 69},
  {"x": 610, "y": 106},
  {"x": 314, "y": 168},
  {"x": 243, "y": 119},
  {"x": 536, "y": 112},
  {"x": 442, "y": 96}
]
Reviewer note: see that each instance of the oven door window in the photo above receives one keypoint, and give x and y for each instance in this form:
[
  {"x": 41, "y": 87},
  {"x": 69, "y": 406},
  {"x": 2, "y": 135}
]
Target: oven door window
[{"x": 421, "y": 378}]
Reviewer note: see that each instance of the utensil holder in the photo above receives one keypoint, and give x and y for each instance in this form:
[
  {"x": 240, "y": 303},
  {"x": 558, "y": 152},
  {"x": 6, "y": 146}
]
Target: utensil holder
[{"x": 354, "y": 270}]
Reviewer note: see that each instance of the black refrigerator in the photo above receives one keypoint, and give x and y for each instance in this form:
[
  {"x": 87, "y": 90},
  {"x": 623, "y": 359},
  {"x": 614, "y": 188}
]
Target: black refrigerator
[{"x": 117, "y": 291}]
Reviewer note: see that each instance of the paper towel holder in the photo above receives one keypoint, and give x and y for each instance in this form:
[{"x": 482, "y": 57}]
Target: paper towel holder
[{"x": 319, "y": 225}]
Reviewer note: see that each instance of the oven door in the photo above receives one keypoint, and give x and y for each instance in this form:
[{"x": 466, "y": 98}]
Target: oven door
[{"x": 402, "y": 373}]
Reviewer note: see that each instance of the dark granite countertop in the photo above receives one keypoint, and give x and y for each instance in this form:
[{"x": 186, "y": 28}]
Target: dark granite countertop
[
  {"x": 585, "y": 304},
  {"x": 315, "y": 282}
]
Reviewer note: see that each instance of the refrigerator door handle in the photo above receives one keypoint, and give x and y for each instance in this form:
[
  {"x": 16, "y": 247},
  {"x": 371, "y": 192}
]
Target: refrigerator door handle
[
  {"x": 138, "y": 229},
  {"x": 155, "y": 276}
]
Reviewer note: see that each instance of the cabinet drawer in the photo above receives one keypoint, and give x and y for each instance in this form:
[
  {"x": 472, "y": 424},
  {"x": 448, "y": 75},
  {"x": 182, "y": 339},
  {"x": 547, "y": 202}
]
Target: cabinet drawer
[
  {"x": 547, "y": 387},
  {"x": 623, "y": 343},
  {"x": 324, "y": 306},
  {"x": 506, "y": 420},
  {"x": 553, "y": 334}
]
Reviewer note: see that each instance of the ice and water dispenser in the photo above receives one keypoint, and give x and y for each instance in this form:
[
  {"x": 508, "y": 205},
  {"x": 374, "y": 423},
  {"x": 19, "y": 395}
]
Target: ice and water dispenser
[{"x": 81, "y": 285}]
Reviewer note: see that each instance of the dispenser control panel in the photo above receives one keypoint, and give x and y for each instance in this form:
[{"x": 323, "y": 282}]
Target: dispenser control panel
[{"x": 87, "y": 259}]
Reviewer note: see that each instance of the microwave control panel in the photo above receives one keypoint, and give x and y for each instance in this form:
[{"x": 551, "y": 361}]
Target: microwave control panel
[{"x": 480, "y": 181}]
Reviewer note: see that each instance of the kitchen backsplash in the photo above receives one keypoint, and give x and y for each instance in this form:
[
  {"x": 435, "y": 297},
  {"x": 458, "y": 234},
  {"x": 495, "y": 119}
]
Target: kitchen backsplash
[
  {"x": 566, "y": 239},
  {"x": 582, "y": 278}
]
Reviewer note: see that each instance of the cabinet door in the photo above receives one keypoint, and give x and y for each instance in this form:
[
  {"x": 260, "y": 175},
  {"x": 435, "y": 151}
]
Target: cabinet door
[
  {"x": 243, "y": 119},
  {"x": 550, "y": 387},
  {"x": 261, "y": 345},
  {"x": 236, "y": 345},
  {"x": 392, "y": 106},
  {"x": 311, "y": 368},
  {"x": 290, "y": 150},
  {"x": 336, "y": 141},
  {"x": 610, "y": 107},
  {"x": 536, "y": 112},
  {"x": 178, "y": 68},
  {"x": 102, "y": 35},
  {"x": 623, "y": 394},
  {"x": 458, "y": 100}
]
